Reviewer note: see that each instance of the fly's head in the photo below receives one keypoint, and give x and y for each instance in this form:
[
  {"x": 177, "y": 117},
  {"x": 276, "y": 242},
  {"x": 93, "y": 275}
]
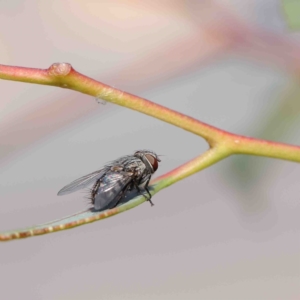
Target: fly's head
[{"x": 149, "y": 158}]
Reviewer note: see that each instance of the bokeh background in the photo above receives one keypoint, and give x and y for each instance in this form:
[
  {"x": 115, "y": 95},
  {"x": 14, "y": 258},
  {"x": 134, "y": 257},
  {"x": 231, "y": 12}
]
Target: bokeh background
[{"x": 229, "y": 232}]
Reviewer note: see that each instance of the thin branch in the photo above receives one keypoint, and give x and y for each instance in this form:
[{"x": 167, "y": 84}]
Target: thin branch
[
  {"x": 222, "y": 143},
  {"x": 208, "y": 158},
  {"x": 63, "y": 75}
]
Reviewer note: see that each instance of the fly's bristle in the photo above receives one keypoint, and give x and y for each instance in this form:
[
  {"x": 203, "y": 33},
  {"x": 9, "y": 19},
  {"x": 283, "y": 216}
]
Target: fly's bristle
[
  {"x": 87, "y": 190},
  {"x": 89, "y": 203},
  {"x": 89, "y": 198}
]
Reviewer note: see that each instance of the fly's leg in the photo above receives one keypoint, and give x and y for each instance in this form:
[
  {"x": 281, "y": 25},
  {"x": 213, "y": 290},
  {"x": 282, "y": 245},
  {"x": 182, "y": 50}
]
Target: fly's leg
[{"x": 146, "y": 189}]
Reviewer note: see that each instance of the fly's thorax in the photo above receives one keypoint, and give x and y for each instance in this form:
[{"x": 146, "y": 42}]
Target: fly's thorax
[{"x": 134, "y": 166}]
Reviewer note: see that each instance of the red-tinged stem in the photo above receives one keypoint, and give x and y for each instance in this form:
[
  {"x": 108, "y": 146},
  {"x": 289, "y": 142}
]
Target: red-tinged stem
[
  {"x": 206, "y": 159},
  {"x": 63, "y": 75},
  {"x": 233, "y": 145},
  {"x": 252, "y": 146}
]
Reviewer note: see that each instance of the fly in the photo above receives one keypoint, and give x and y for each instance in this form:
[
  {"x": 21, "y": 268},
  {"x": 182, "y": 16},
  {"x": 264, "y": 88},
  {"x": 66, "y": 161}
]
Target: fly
[{"x": 111, "y": 183}]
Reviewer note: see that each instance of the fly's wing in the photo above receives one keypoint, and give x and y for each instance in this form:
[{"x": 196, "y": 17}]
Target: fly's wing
[
  {"x": 82, "y": 182},
  {"x": 112, "y": 187}
]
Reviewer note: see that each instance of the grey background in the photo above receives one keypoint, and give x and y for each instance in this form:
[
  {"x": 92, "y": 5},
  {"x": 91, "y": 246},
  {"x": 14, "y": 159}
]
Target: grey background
[{"x": 229, "y": 232}]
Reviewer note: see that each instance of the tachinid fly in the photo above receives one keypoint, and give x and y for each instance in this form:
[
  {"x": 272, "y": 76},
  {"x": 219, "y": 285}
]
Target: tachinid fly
[{"x": 112, "y": 182}]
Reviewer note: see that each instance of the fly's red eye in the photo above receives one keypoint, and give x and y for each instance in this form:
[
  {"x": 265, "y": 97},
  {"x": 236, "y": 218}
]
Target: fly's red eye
[{"x": 153, "y": 161}]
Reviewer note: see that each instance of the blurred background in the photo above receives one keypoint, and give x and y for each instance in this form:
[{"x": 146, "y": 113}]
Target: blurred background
[{"x": 229, "y": 232}]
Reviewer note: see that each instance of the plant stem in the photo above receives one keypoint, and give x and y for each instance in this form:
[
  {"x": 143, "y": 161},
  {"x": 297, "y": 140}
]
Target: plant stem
[{"x": 222, "y": 143}]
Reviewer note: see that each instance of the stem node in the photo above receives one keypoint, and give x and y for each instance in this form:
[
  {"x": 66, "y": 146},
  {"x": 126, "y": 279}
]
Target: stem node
[{"x": 59, "y": 69}]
